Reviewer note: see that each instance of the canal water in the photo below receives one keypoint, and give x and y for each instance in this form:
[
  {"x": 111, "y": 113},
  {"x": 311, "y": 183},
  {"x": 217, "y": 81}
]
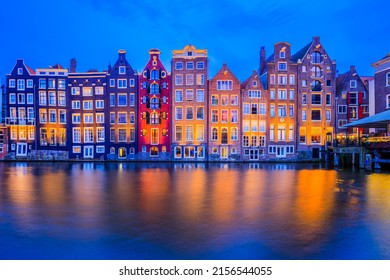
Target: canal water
[{"x": 192, "y": 211}]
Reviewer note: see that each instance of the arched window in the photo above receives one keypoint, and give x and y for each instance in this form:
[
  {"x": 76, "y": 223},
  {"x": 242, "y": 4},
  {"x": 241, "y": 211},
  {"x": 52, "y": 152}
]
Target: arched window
[
  {"x": 164, "y": 115},
  {"x": 164, "y": 99},
  {"x": 164, "y": 85},
  {"x": 316, "y": 71},
  {"x": 224, "y": 136},
  {"x": 132, "y": 150},
  {"x": 144, "y": 99},
  {"x": 154, "y": 103},
  {"x": 154, "y": 89},
  {"x": 316, "y": 57},
  {"x": 234, "y": 150},
  {"x": 144, "y": 148},
  {"x": 214, "y": 150},
  {"x": 154, "y": 75},
  {"x": 214, "y": 134},
  {"x": 154, "y": 118},
  {"x": 122, "y": 153},
  {"x": 164, "y": 149},
  {"x": 112, "y": 150},
  {"x": 316, "y": 85}
]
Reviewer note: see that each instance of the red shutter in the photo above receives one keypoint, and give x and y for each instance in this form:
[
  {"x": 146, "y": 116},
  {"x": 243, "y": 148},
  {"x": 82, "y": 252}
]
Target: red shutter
[
  {"x": 360, "y": 112},
  {"x": 360, "y": 102}
]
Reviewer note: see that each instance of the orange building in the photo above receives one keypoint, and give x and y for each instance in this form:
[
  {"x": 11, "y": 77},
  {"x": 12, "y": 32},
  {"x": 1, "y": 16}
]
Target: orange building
[
  {"x": 189, "y": 103},
  {"x": 316, "y": 99},
  {"x": 281, "y": 74},
  {"x": 254, "y": 118},
  {"x": 224, "y": 140}
]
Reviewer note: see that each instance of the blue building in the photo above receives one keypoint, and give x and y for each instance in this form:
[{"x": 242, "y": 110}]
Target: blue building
[
  {"x": 52, "y": 110},
  {"x": 20, "y": 113},
  {"x": 122, "y": 110}
]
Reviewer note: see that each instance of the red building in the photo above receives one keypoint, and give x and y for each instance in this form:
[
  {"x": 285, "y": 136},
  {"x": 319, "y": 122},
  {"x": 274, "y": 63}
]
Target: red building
[{"x": 154, "y": 110}]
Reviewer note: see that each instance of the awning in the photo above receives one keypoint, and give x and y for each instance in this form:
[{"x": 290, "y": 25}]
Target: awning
[{"x": 380, "y": 120}]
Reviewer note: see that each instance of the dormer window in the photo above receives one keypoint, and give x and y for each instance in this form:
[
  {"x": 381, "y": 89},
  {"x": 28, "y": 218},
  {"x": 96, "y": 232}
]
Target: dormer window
[
  {"x": 189, "y": 53},
  {"x": 154, "y": 75},
  {"x": 122, "y": 70},
  {"x": 20, "y": 71},
  {"x": 282, "y": 54},
  {"x": 352, "y": 84},
  {"x": 316, "y": 57}
]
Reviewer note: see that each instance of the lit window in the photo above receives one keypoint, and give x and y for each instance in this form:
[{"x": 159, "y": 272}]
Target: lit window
[{"x": 224, "y": 85}]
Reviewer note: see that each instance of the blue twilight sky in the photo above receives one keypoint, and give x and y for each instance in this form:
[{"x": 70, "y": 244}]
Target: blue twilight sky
[{"x": 46, "y": 32}]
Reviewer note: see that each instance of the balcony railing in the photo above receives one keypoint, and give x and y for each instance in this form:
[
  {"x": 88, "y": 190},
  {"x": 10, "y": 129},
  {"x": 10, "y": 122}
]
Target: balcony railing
[{"x": 19, "y": 121}]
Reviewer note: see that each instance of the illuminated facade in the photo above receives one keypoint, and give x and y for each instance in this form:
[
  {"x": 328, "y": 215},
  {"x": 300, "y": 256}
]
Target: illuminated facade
[
  {"x": 316, "y": 99},
  {"x": 282, "y": 112},
  {"x": 154, "y": 110},
  {"x": 122, "y": 89},
  {"x": 382, "y": 84},
  {"x": 88, "y": 99},
  {"x": 20, "y": 116},
  {"x": 352, "y": 102},
  {"x": 287, "y": 110},
  {"x": 189, "y": 104},
  {"x": 224, "y": 141},
  {"x": 255, "y": 102},
  {"x": 52, "y": 112}
]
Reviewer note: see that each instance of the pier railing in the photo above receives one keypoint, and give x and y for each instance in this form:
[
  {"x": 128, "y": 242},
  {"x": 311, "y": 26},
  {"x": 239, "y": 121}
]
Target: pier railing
[
  {"x": 377, "y": 142},
  {"x": 368, "y": 142}
]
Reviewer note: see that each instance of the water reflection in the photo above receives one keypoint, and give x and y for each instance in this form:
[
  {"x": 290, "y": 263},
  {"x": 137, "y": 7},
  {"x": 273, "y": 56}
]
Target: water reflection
[{"x": 192, "y": 211}]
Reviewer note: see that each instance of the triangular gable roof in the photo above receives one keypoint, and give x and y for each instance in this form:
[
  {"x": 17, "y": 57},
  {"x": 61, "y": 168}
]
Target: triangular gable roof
[
  {"x": 301, "y": 53},
  {"x": 264, "y": 80},
  {"x": 30, "y": 70},
  {"x": 380, "y": 120},
  {"x": 341, "y": 80},
  {"x": 226, "y": 68},
  {"x": 245, "y": 83}
]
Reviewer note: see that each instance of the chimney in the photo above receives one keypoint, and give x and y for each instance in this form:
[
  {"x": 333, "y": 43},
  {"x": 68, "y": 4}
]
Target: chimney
[
  {"x": 262, "y": 60},
  {"x": 352, "y": 69},
  {"x": 122, "y": 54},
  {"x": 73, "y": 65},
  {"x": 316, "y": 39}
]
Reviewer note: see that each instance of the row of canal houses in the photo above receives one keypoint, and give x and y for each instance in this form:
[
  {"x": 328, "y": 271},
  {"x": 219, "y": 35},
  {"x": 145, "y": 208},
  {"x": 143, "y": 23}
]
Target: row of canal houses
[{"x": 285, "y": 110}]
